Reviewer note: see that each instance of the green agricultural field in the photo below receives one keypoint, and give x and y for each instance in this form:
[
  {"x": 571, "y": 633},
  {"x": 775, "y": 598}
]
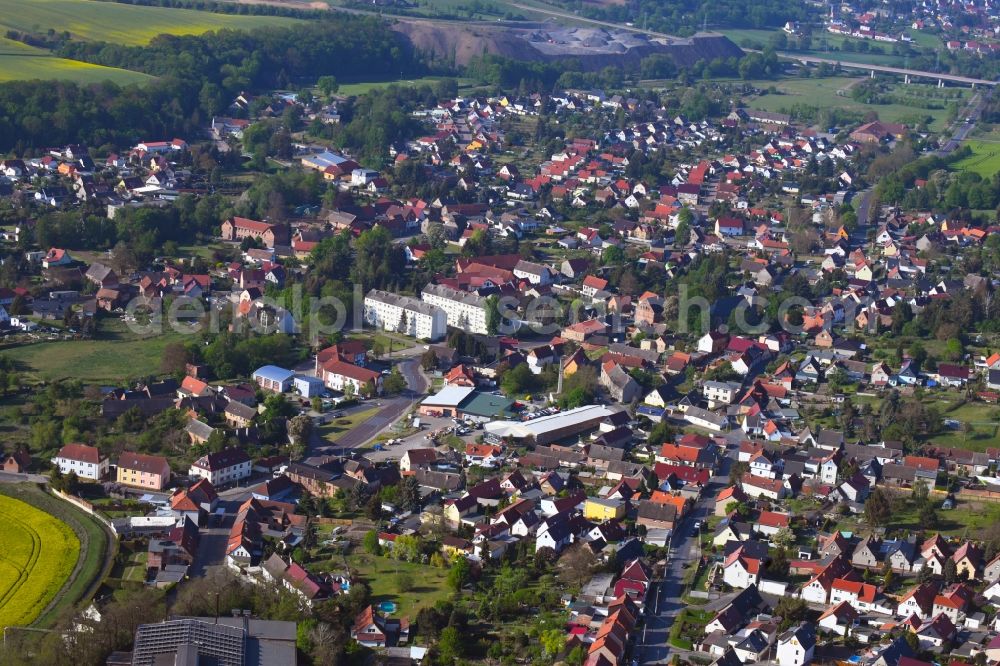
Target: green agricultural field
[
  {"x": 37, "y": 555},
  {"x": 20, "y": 62},
  {"x": 824, "y": 45},
  {"x": 113, "y": 357},
  {"x": 834, "y": 91},
  {"x": 985, "y": 158},
  {"x": 120, "y": 23}
]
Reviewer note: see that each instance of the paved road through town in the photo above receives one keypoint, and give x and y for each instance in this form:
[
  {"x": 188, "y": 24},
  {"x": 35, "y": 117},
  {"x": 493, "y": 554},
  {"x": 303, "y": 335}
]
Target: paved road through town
[
  {"x": 665, "y": 603},
  {"x": 390, "y": 410}
]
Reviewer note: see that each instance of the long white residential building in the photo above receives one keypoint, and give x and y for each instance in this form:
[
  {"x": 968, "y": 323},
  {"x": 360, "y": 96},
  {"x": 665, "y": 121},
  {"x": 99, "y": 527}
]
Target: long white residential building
[
  {"x": 465, "y": 310},
  {"x": 406, "y": 315}
]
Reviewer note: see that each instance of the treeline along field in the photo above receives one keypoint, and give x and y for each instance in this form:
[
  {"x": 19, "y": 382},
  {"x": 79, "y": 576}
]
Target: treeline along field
[{"x": 198, "y": 77}]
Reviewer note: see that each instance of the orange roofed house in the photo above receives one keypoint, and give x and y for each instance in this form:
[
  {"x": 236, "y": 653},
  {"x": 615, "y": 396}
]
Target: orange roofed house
[
  {"x": 238, "y": 228},
  {"x": 373, "y": 630},
  {"x": 583, "y": 330}
]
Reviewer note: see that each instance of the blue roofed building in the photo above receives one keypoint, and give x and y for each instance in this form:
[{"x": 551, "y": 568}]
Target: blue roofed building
[{"x": 273, "y": 378}]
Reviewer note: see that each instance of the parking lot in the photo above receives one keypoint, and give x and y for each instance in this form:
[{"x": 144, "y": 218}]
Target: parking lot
[{"x": 421, "y": 440}]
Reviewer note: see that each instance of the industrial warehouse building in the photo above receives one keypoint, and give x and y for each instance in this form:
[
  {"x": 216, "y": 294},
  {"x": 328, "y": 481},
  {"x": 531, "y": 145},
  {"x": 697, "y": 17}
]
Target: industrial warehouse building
[{"x": 552, "y": 428}]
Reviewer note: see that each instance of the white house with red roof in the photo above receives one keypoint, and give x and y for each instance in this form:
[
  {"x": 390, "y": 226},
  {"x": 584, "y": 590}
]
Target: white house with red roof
[
  {"x": 336, "y": 374},
  {"x": 771, "y": 522},
  {"x": 918, "y": 601},
  {"x": 758, "y": 486},
  {"x": 593, "y": 284},
  {"x": 859, "y": 594},
  {"x": 222, "y": 467},
  {"x": 86, "y": 461},
  {"x": 741, "y": 570},
  {"x": 838, "y": 619}
]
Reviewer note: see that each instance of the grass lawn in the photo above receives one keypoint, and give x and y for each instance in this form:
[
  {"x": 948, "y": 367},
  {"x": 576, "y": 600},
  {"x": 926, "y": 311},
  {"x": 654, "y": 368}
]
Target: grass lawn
[
  {"x": 20, "y": 62},
  {"x": 985, "y": 158},
  {"x": 332, "y": 431},
  {"x": 201, "y": 250},
  {"x": 455, "y": 442},
  {"x": 135, "y": 570},
  {"x": 120, "y": 23},
  {"x": 689, "y": 627},
  {"x": 381, "y": 574},
  {"x": 966, "y": 518},
  {"x": 362, "y": 88},
  {"x": 113, "y": 356},
  {"x": 981, "y": 419}
]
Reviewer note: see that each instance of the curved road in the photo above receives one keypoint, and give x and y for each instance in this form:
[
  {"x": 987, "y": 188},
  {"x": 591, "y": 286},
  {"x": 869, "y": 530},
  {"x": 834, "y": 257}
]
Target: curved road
[{"x": 390, "y": 410}]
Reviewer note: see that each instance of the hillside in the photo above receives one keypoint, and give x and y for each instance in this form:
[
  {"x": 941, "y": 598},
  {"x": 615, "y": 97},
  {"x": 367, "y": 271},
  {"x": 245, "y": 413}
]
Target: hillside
[{"x": 594, "y": 48}]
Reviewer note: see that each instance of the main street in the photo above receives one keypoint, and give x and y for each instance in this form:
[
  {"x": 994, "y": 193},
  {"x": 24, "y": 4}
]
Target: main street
[{"x": 664, "y": 602}]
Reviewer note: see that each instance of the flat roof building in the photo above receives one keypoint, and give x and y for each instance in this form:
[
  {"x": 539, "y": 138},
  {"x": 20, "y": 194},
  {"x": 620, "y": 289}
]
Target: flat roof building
[
  {"x": 466, "y": 401},
  {"x": 226, "y": 641},
  {"x": 445, "y": 402},
  {"x": 551, "y": 428},
  {"x": 484, "y": 406}
]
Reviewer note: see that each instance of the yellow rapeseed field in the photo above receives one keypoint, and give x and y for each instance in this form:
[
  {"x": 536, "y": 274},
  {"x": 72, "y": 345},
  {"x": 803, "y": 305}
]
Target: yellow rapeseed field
[{"x": 37, "y": 555}]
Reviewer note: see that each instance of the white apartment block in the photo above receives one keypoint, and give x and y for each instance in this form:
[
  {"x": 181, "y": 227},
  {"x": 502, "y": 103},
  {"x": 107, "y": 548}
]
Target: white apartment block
[
  {"x": 464, "y": 310},
  {"x": 402, "y": 314}
]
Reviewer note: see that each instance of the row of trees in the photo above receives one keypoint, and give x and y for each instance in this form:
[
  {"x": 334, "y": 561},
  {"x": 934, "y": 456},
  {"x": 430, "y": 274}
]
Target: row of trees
[{"x": 197, "y": 77}]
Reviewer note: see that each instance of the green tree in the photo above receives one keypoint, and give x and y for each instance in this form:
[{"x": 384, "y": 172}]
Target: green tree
[
  {"x": 553, "y": 641},
  {"x": 327, "y": 85},
  {"x": 450, "y": 646},
  {"x": 428, "y": 360},
  {"x": 371, "y": 544},
  {"x": 394, "y": 383},
  {"x": 928, "y": 516},
  {"x": 404, "y": 582},
  {"x": 493, "y": 317},
  {"x": 950, "y": 571},
  {"x": 459, "y": 574},
  {"x": 613, "y": 255},
  {"x": 792, "y": 610},
  {"x": 518, "y": 380},
  {"x": 878, "y": 508},
  {"x": 71, "y": 483}
]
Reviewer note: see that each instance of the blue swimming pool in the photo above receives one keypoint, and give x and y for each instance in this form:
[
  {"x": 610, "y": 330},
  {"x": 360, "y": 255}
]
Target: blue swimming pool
[{"x": 387, "y": 607}]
